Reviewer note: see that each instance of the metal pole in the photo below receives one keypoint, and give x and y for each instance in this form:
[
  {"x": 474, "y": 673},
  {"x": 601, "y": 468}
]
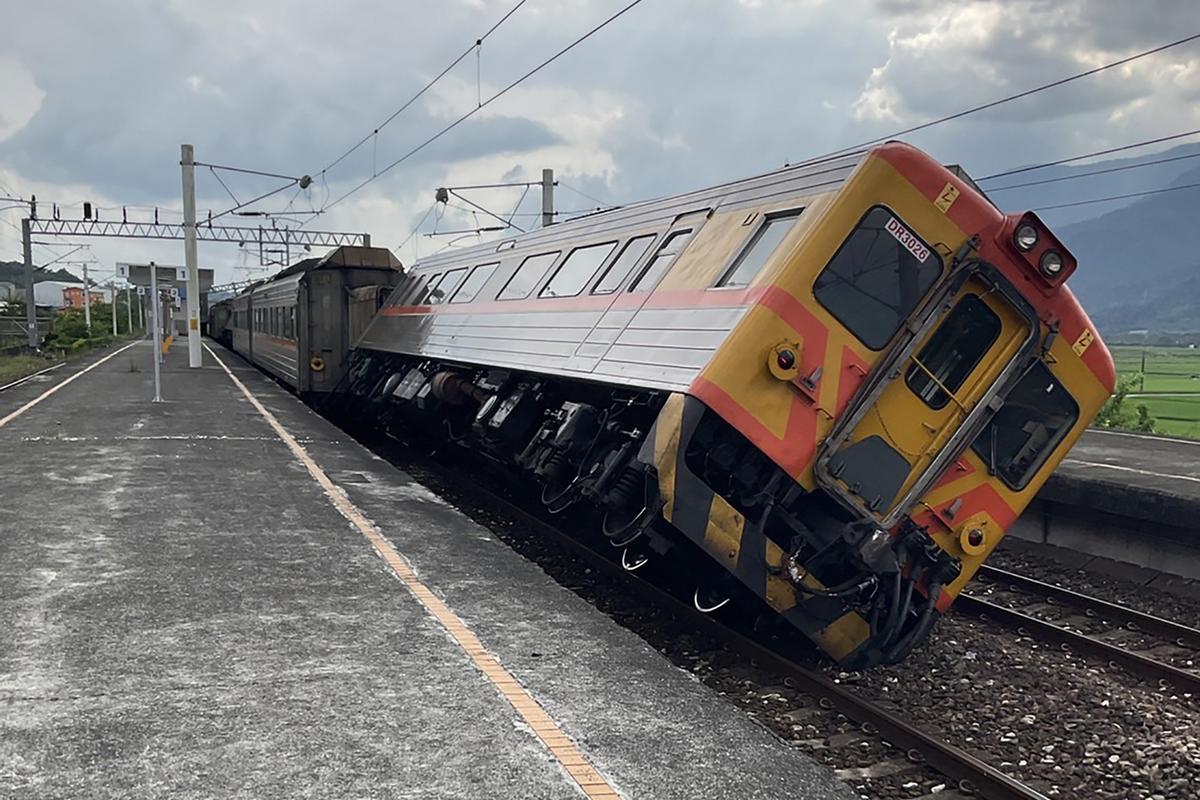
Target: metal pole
[
  {"x": 188, "y": 162},
  {"x": 157, "y": 310},
  {"x": 112, "y": 293},
  {"x": 547, "y": 198},
  {"x": 87, "y": 301},
  {"x": 128, "y": 311},
  {"x": 30, "y": 303}
]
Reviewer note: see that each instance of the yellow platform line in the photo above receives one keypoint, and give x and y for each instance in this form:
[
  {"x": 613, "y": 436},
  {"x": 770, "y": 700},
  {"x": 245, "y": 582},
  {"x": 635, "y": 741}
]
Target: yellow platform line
[{"x": 546, "y": 729}]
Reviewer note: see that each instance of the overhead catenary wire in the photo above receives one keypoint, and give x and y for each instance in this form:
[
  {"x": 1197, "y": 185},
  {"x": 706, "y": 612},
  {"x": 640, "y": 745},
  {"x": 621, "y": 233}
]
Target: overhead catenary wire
[
  {"x": 1007, "y": 99},
  {"x": 412, "y": 152},
  {"x": 1127, "y": 196},
  {"x": 457, "y": 60},
  {"x": 1060, "y": 178},
  {"x": 1093, "y": 154}
]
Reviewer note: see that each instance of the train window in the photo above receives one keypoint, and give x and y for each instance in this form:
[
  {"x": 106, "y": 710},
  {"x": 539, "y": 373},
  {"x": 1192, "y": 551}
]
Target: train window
[
  {"x": 446, "y": 286},
  {"x": 474, "y": 282},
  {"x": 877, "y": 277},
  {"x": 653, "y": 272},
  {"x": 527, "y": 276},
  {"x": 1035, "y": 417},
  {"x": 623, "y": 264},
  {"x": 427, "y": 289},
  {"x": 953, "y": 351},
  {"x": 577, "y": 269},
  {"x": 755, "y": 254}
]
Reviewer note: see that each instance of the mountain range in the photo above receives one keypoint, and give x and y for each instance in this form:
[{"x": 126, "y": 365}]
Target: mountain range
[{"x": 1139, "y": 257}]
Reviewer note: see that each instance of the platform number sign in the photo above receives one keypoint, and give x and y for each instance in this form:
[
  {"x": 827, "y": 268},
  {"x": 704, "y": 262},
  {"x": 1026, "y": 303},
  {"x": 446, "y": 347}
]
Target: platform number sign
[
  {"x": 181, "y": 273},
  {"x": 123, "y": 270}
]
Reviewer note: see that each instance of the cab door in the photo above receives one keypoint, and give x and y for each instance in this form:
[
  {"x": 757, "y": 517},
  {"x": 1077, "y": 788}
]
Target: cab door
[{"x": 897, "y": 439}]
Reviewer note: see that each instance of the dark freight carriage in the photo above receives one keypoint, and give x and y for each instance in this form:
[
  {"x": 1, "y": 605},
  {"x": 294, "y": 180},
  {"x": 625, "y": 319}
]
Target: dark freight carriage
[{"x": 300, "y": 324}]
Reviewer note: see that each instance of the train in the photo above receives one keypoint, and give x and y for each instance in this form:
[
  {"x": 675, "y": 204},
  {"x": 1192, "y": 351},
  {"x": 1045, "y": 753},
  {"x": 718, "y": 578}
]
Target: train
[
  {"x": 824, "y": 392},
  {"x": 299, "y": 325}
]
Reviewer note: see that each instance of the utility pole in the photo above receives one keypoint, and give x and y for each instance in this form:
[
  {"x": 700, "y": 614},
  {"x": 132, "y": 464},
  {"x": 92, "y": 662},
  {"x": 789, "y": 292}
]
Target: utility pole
[
  {"x": 87, "y": 301},
  {"x": 112, "y": 292},
  {"x": 27, "y": 245},
  {"x": 129, "y": 310},
  {"x": 547, "y": 198},
  {"x": 157, "y": 310},
  {"x": 188, "y": 163}
]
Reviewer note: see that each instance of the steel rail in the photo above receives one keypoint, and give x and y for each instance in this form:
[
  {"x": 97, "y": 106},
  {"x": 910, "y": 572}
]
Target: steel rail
[
  {"x": 30, "y": 376},
  {"x": 1136, "y": 663},
  {"x": 1178, "y": 633},
  {"x": 971, "y": 773}
]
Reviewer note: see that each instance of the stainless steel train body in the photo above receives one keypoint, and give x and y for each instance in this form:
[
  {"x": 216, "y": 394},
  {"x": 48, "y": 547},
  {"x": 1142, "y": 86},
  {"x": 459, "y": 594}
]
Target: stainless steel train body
[
  {"x": 827, "y": 391},
  {"x": 301, "y": 324}
]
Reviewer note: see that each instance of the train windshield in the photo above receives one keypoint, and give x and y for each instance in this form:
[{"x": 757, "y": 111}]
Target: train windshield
[
  {"x": 878, "y": 277},
  {"x": 1035, "y": 417}
]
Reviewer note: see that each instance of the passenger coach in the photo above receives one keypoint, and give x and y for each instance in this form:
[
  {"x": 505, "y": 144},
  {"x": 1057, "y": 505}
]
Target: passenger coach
[
  {"x": 300, "y": 324},
  {"x": 828, "y": 390}
]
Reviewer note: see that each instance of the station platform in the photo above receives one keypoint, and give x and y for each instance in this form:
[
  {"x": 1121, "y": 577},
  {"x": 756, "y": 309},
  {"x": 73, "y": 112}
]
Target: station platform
[{"x": 221, "y": 595}]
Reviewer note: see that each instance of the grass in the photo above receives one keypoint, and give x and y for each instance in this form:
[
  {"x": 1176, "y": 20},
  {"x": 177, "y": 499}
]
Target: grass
[
  {"x": 16, "y": 367},
  {"x": 1169, "y": 387}
]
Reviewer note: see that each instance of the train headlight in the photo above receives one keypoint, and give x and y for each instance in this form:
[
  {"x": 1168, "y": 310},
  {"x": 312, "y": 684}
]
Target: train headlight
[
  {"x": 1026, "y": 238},
  {"x": 1051, "y": 264}
]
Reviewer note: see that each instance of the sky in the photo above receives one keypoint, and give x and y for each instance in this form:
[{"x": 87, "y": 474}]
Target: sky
[{"x": 96, "y": 97}]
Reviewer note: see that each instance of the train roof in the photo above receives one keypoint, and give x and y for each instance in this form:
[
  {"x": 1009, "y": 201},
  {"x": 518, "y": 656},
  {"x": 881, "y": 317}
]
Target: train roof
[{"x": 818, "y": 176}]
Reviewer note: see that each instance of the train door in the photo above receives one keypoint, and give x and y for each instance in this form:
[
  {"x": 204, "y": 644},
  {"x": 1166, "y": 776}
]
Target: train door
[{"x": 917, "y": 412}]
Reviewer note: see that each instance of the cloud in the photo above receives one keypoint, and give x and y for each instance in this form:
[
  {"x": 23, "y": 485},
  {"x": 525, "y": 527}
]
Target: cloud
[
  {"x": 22, "y": 96},
  {"x": 664, "y": 100}
]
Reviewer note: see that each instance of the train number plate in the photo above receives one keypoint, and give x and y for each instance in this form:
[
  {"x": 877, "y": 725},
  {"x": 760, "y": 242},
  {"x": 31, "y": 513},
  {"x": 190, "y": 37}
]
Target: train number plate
[{"x": 907, "y": 238}]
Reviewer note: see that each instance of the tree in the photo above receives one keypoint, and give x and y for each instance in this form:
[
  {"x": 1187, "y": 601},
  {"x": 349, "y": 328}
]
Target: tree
[{"x": 1116, "y": 414}]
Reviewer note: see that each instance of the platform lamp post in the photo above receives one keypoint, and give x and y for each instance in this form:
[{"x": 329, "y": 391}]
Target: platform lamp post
[{"x": 156, "y": 310}]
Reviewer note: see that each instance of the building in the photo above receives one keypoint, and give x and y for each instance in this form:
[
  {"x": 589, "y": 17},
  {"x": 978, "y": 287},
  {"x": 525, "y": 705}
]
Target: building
[{"x": 73, "y": 297}]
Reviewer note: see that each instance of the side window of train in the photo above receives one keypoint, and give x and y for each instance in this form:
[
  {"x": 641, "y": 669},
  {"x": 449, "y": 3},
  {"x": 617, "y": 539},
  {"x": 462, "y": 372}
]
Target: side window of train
[
  {"x": 474, "y": 282},
  {"x": 446, "y": 286},
  {"x": 623, "y": 264},
  {"x": 652, "y": 273},
  {"x": 422, "y": 296},
  {"x": 527, "y": 276},
  {"x": 759, "y": 249},
  {"x": 577, "y": 269},
  {"x": 879, "y": 275}
]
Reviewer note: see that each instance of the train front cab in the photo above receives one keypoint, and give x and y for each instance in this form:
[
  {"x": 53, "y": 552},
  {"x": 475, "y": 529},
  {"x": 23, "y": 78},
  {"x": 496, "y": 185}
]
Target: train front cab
[{"x": 912, "y": 377}]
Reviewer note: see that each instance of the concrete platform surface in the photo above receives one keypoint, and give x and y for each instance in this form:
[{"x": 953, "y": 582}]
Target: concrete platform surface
[
  {"x": 184, "y": 613},
  {"x": 1152, "y": 478}
]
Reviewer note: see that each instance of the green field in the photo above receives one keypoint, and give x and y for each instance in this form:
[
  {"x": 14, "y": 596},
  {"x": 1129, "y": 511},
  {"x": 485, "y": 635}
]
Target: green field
[{"x": 1169, "y": 385}]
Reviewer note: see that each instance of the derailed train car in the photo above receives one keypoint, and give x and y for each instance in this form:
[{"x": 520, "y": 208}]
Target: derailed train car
[
  {"x": 299, "y": 324},
  {"x": 829, "y": 389}
]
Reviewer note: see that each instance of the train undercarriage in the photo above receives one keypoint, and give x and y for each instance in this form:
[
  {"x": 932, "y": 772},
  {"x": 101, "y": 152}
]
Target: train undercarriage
[{"x": 677, "y": 490}]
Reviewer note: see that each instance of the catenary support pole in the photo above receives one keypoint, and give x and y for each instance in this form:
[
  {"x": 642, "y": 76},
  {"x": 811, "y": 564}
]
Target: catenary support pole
[
  {"x": 188, "y": 163},
  {"x": 156, "y": 310},
  {"x": 129, "y": 310},
  {"x": 112, "y": 294},
  {"x": 87, "y": 301},
  {"x": 30, "y": 302},
  {"x": 547, "y": 197}
]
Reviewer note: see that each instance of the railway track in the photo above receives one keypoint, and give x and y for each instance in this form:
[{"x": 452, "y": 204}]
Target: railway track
[
  {"x": 971, "y": 775},
  {"x": 1175, "y": 641},
  {"x": 31, "y": 376}
]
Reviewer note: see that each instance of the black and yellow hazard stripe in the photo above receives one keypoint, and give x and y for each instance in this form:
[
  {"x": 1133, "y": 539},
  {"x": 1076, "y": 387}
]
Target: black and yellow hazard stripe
[{"x": 739, "y": 545}]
